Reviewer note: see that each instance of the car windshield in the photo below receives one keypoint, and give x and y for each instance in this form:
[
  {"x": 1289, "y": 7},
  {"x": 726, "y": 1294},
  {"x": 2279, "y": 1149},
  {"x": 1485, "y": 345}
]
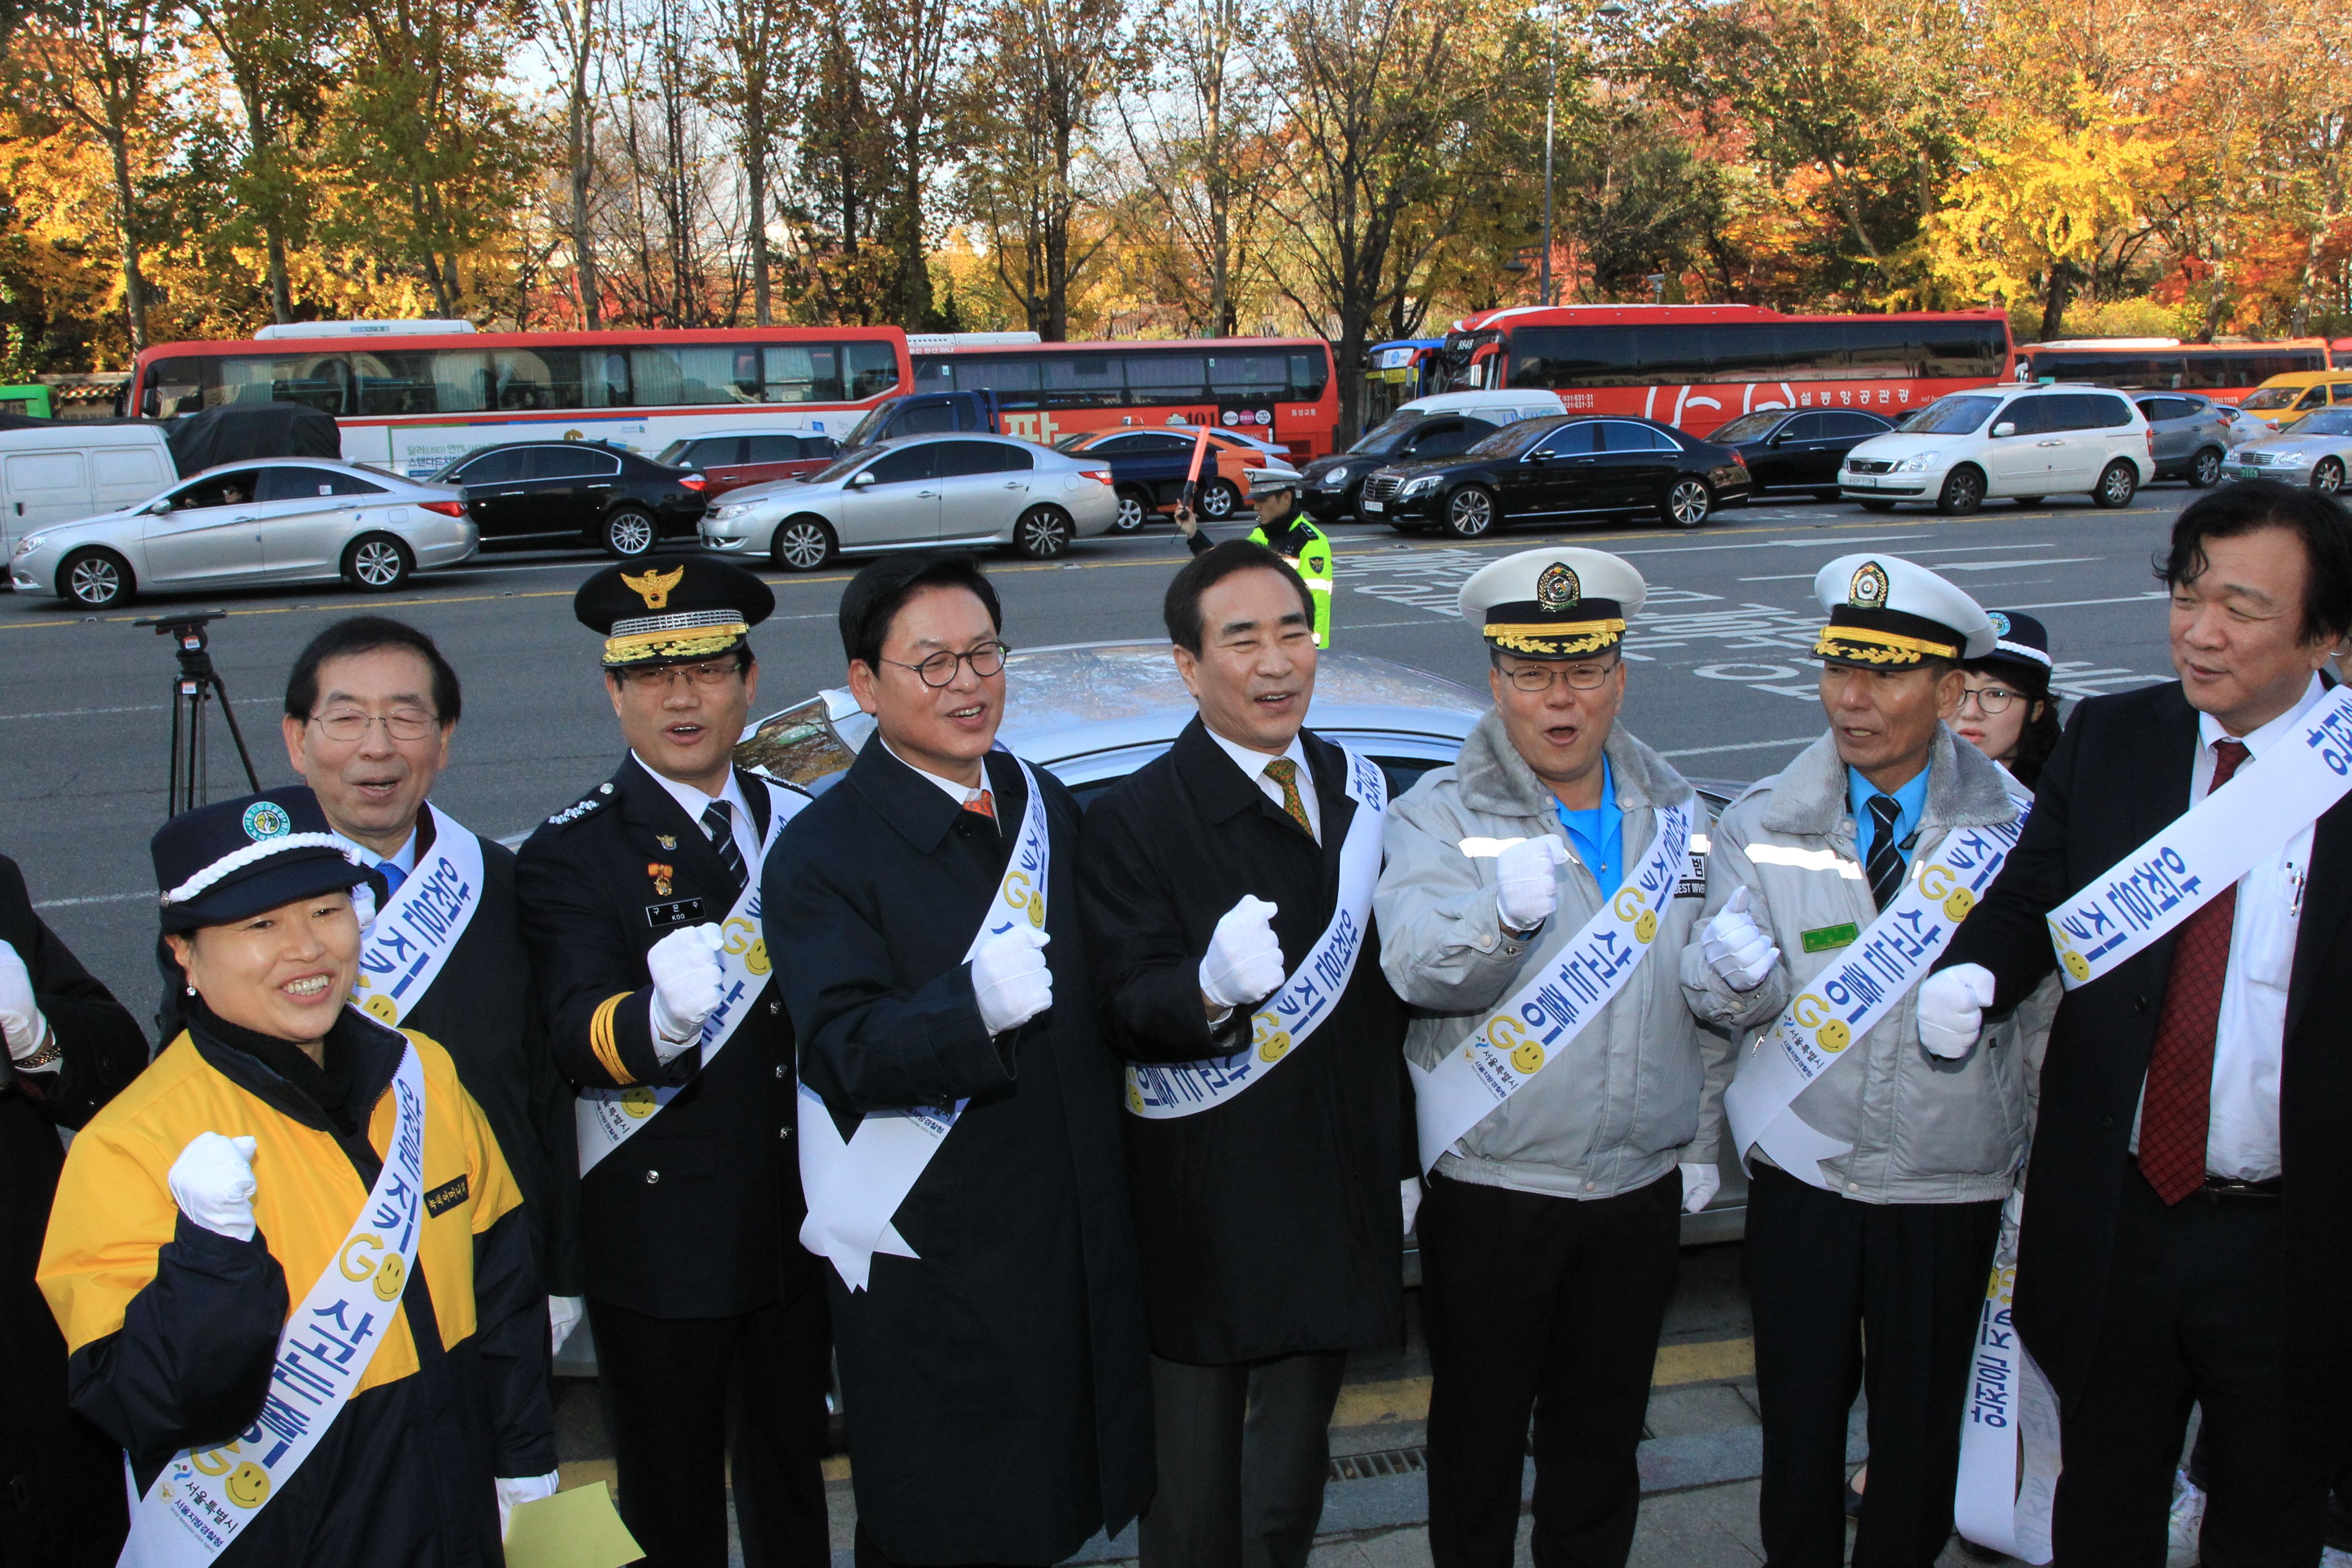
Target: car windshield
[
  {"x": 671, "y": 455},
  {"x": 1513, "y": 439},
  {"x": 868, "y": 429},
  {"x": 1952, "y": 417},
  {"x": 1074, "y": 439},
  {"x": 1383, "y": 439},
  {"x": 2324, "y": 422},
  {"x": 2272, "y": 397},
  {"x": 849, "y": 458},
  {"x": 1747, "y": 426}
]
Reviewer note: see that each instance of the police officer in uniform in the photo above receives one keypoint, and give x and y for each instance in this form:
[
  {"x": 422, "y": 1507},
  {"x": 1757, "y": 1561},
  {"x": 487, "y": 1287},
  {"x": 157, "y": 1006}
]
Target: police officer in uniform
[
  {"x": 709, "y": 1323},
  {"x": 1287, "y": 530}
]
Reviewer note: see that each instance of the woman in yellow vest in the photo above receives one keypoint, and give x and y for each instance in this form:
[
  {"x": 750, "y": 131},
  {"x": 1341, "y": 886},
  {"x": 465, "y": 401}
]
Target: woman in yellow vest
[{"x": 290, "y": 1263}]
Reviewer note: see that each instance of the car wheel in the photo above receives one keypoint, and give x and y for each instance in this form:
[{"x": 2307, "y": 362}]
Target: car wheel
[
  {"x": 628, "y": 532},
  {"x": 1876, "y": 505},
  {"x": 1963, "y": 492},
  {"x": 94, "y": 579},
  {"x": 2327, "y": 475},
  {"x": 802, "y": 544},
  {"x": 377, "y": 563},
  {"x": 1218, "y": 499},
  {"x": 1134, "y": 507},
  {"x": 1042, "y": 534},
  {"x": 1687, "y": 503},
  {"x": 2116, "y": 486},
  {"x": 1470, "y": 512},
  {"x": 2204, "y": 469}
]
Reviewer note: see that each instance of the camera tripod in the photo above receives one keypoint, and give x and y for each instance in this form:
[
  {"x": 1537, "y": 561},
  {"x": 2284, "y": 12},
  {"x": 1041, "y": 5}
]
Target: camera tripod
[{"x": 193, "y": 689}]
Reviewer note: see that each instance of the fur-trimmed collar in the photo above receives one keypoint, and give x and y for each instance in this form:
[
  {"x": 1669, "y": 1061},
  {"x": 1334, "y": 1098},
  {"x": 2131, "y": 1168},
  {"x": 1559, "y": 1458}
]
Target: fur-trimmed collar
[
  {"x": 1964, "y": 789},
  {"x": 1494, "y": 778}
]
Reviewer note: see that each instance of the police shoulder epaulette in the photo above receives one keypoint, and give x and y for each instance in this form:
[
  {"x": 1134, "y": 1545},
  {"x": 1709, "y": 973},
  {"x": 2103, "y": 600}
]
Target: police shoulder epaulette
[{"x": 587, "y": 805}]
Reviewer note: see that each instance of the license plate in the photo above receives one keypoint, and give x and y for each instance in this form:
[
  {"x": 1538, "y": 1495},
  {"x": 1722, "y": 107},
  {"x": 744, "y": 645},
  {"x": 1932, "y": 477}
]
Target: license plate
[
  {"x": 1376, "y": 505},
  {"x": 1862, "y": 481},
  {"x": 2250, "y": 473}
]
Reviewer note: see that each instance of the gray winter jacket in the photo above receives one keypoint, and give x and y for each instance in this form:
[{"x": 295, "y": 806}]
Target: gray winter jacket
[
  {"x": 1923, "y": 1129},
  {"x": 1623, "y": 1102}
]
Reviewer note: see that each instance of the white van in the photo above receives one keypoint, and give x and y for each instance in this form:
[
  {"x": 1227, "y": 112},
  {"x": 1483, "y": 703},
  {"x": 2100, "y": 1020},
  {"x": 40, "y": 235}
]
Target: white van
[
  {"x": 2022, "y": 443},
  {"x": 70, "y": 471},
  {"x": 1499, "y": 407}
]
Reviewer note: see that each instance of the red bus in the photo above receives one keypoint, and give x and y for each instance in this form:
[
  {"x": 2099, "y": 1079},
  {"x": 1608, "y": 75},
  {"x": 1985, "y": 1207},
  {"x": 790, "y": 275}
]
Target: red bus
[
  {"x": 2226, "y": 372},
  {"x": 411, "y": 396},
  {"x": 1695, "y": 366},
  {"x": 1279, "y": 389}
]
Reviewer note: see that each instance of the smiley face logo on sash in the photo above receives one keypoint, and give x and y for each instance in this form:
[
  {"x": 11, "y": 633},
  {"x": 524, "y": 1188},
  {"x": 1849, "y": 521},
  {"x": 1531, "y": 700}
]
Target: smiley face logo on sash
[
  {"x": 1631, "y": 899},
  {"x": 1830, "y": 1032}
]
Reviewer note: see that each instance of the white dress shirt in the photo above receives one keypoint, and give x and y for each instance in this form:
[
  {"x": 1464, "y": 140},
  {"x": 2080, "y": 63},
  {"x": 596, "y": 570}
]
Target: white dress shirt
[
  {"x": 2242, "y": 1138},
  {"x": 1253, "y": 763},
  {"x": 694, "y": 803},
  {"x": 962, "y": 794}
]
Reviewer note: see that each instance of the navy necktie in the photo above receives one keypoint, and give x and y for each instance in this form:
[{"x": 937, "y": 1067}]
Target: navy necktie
[
  {"x": 720, "y": 822},
  {"x": 1884, "y": 867}
]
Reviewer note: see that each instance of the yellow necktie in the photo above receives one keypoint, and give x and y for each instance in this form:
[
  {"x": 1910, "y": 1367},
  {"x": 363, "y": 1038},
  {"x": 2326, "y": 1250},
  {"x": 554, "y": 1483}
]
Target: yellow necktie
[{"x": 1284, "y": 772}]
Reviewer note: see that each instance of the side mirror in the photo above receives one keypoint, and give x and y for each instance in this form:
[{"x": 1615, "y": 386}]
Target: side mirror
[
  {"x": 162, "y": 504},
  {"x": 1537, "y": 457},
  {"x": 2004, "y": 428},
  {"x": 1779, "y": 437},
  {"x": 861, "y": 479}
]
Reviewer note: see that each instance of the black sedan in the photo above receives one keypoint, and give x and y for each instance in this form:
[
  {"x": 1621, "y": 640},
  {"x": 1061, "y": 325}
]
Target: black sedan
[
  {"x": 1560, "y": 467},
  {"x": 1334, "y": 484},
  {"x": 1798, "y": 449},
  {"x": 607, "y": 495}
]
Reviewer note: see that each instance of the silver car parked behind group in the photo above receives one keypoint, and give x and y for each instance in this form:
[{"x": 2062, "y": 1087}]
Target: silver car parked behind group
[
  {"x": 278, "y": 520},
  {"x": 915, "y": 491},
  {"x": 2315, "y": 450}
]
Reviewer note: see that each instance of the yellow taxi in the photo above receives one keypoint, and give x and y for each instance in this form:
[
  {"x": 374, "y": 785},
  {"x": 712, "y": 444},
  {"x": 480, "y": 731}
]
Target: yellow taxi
[{"x": 2283, "y": 399}]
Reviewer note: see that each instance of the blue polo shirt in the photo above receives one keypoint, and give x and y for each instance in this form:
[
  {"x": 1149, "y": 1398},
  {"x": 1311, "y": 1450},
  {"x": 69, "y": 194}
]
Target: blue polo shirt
[
  {"x": 1912, "y": 798},
  {"x": 1598, "y": 835}
]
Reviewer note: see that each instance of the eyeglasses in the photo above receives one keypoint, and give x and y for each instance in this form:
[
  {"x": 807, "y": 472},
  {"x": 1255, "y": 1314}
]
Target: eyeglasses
[
  {"x": 1990, "y": 699},
  {"x": 348, "y": 724},
  {"x": 1582, "y": 675},
  {"x": 939, "y": 670},
  {"x": 662, "y": 677}
]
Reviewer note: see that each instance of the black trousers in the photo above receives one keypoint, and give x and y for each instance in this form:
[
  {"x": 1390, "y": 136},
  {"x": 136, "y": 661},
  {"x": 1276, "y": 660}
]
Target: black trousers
[
  {"x": 1551, "y": 1306},
  {"x": 1826, "y": 1274},
  {"x": 2191, "y": 1318},
  {"x": 1243, "y": 1451},
  {"x": 690, "y": 1401}
]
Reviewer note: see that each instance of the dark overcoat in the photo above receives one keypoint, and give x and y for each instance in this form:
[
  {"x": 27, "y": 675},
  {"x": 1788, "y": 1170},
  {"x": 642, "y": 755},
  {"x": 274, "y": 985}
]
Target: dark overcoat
[
  {"x": 997, "y": 1383},
  {"x": 62, "y": 1499},
  {"x": 2119, "y": 774},
  {"x": 1270, "y": 1226}
]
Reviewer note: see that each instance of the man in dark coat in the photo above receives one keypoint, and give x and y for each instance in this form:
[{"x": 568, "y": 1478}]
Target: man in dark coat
[
  {"x": 710, "y": 1332},
  {"x": 2188, "y": 1229},
  {"x": 70, "y": 1048},
  {"x": 1264, "y": 1147},
  {"x": 370, "y": 709},
  {"x": 985, "y": 1294}
]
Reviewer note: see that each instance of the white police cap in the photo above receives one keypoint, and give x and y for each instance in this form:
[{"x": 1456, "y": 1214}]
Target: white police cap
[
  {"x": 1267, "y": 479},
  {"x": 1554, "y": 603},
  {"x": 1886, "y": 613}
]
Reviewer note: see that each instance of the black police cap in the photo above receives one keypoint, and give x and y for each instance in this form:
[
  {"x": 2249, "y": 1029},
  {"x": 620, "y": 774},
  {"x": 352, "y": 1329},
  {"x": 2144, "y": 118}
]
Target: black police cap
[
  {"x": 691, "y": 607},
  {"x": 234, "y": 859}
]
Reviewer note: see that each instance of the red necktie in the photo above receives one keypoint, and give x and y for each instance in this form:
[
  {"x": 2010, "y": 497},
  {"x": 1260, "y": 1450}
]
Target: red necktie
[
  {"x": 982, "y": 805},
  {"x": 2177, "y": 1105}
]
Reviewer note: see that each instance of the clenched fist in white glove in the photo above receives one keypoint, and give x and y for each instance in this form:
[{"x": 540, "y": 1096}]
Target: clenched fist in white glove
[
  {"x": 1736, "y": 947},
  {"x": 1700, "y": 1183},
  {"x": 687, "y": 985},
  {"x": 211, "y": 1181},
  {"x": 516, "y": 1490},
  {"x": 1010, "y": 978},
  {"x": 1244, "y": 961},
  {"x": 1951, "y": 1008},
  {"x": 20, "y": 1015},
  {"x": 1526, "y": 880}
]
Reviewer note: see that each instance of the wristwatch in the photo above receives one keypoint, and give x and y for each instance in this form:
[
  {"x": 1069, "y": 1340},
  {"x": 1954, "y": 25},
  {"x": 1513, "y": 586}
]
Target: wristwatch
[{"x": 47, "y": 1054}]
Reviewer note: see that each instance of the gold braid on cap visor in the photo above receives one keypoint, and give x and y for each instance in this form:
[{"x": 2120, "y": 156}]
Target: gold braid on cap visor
[
  {"x": 1556, "y": 638},
  {"x": 714, "y": 636},
  {"x": 1879, "y": 648}
]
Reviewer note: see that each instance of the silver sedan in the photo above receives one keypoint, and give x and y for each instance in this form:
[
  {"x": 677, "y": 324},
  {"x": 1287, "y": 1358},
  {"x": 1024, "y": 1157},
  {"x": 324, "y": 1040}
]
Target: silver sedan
[
  {"x": 916, "y": 491},
  {"x": 280, "y": 520},
  {"x": 2315, "y": 450}
]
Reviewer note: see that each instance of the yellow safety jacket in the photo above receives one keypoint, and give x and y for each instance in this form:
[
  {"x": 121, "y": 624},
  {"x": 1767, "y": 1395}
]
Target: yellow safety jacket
[{"x": 1308, "y": 549}]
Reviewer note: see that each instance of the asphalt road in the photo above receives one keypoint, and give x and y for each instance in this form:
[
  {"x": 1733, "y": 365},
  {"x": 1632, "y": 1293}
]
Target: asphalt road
[{"x": 1722, "y": 681}]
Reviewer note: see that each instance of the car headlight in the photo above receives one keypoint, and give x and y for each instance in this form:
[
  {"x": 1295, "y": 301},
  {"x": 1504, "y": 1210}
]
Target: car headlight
[
  {"x": 29, "y": 543},
  {"x": 1918, "y": 463},
  {"x": 1425, "y": 482},
  {"x": 1334, "y": 478}
]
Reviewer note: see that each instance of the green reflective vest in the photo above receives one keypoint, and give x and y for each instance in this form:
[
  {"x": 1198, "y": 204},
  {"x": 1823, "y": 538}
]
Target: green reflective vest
[{"x": 1307, "y": 548}]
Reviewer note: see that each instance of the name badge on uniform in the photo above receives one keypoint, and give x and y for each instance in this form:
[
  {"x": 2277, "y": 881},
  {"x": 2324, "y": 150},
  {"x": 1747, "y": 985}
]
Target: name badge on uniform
[
  {"x": 1823, "y": 938},
  {"x": 677, "y": 913}
]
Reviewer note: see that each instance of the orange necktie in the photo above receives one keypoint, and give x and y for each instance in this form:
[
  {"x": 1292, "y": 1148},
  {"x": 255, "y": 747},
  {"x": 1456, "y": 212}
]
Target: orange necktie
[
  {"x": 982, "y": 805},
  {"x": 1284, "y": 772}
]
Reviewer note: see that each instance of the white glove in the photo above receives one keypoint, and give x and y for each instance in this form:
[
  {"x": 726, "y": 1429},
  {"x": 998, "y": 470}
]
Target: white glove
[
  {"x": 1700, "y": 1183},
  {"x": 1527, "y": 881},
  {"x": 1951, "y": 1008},
  {"x": 1409, "y": 1193},
  {"x": 1010, "y": 978},
  {"x": 516, "y": 1490},
  {"x": 1736, "y": 947},
  {"x": 211, "y": 1181},
  {"x": 1244, "y": 959},
  {"x": 686, "y": 984},
  {"x": 563, "y": 1315},
  {"x": 20, "y": 1015}
]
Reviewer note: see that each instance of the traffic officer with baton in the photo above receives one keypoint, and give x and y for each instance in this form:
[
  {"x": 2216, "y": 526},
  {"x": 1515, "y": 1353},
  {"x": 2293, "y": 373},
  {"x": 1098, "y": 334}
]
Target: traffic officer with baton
[
  {"x": 1534, "y": 909},
  {"x": 1283, "y": 529},
  {"x": 1877, "y": 1169},
  {"x": 641, "y": 904}
]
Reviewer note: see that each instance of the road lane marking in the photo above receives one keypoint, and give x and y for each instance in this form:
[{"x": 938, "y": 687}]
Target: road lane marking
[
  {"x": 87, "y": 712},
  {"x": 1741, "y": 746}
]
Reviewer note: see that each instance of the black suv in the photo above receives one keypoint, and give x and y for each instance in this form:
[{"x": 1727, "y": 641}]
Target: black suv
[
  {"x": 1562, "y": 465},
  {"x": 606, "y": 494},
  {"x": 1335, "y": 483}
]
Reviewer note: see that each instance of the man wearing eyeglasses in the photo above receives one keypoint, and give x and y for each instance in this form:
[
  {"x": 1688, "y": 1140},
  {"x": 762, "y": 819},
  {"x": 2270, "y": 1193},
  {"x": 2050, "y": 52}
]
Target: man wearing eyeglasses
[
  {"x": 1537, "y": 895},
  {"x": 959, "y": 1119},
  {"x": 641, "y": 907},
  {"x": 372, "y": 707}
]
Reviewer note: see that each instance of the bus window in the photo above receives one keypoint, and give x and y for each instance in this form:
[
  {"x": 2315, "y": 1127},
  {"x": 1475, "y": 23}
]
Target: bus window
[
  {"x": 1166, "y": 378},
  {"x": 1255, "y": 377},
  {"x": 1014, "y": 381},
  {"x": 798, "y": 372},
  {"x": 1309, "y": 374},
  {"x": 174, "y": 386},
  {"x": 934, "y": 375},
  {"x": 1088, "y": 380},
  {"x": 685, "y": 376},
  {"x": 873, "y": 369}
]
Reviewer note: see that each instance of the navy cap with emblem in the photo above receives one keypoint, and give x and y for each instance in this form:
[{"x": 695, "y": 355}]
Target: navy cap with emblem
[
  {"x": 1560, "y": 602},
  {"x": 2020, "y": 651},
  {"x": 234, "y": 859},
  {"x": 692, "y": 609},
  {"x": 1886, "y": 613}
]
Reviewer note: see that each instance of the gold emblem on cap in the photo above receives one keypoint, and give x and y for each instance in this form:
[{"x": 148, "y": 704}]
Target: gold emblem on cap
[
  {"x": 1558, "y": 588},
  {"x": 654, "y": 586},
  {"x": 1866, "y": 592}
]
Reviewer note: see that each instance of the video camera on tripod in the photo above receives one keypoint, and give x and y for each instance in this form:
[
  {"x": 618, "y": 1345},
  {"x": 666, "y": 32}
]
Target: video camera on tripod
[{"x": 193, "y": 689}]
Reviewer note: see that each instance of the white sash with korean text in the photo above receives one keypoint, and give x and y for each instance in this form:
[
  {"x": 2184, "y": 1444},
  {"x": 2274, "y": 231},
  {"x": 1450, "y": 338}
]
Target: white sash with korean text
[
  {"x": 608, "y": 1118},
  {"x": 1518, "y": 1038},
  {"x": 417, "y": 929},
  {"x": 2009, "y": 1434},
  {"x": 1311, "y": 994},
  {"x": 854, "y": 1188},
  {"x": 2208, "y": 847},
  {"x": 1845, "y": 1001},
  {"x": 204, "y": 1499}
]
